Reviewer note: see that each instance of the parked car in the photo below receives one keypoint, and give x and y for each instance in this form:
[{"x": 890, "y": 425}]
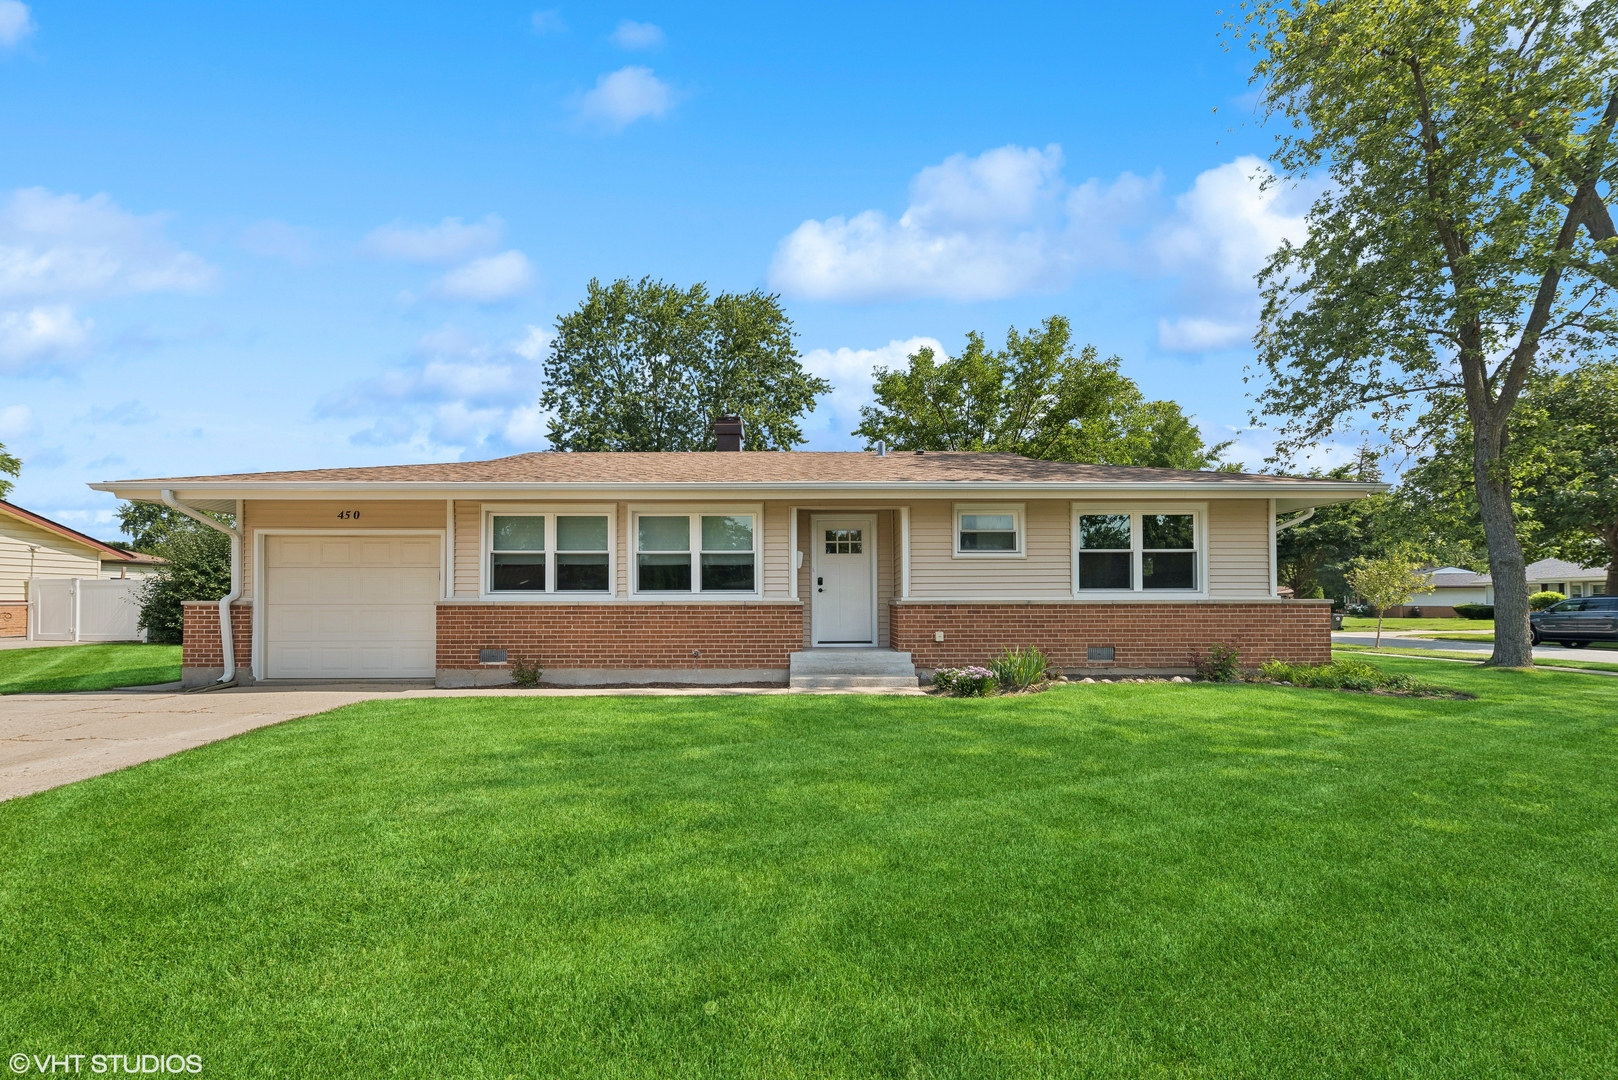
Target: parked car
[{"x": 1577, "y": 622}]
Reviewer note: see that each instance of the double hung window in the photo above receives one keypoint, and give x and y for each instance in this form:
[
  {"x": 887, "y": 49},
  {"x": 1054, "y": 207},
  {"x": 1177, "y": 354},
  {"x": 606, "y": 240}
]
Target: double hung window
[
  {"x": 550, "y": 553},
  {"x": 1138, "y": 552},
  {"x": 988, "y": 530},
  {"x": 705, "y": 553}
]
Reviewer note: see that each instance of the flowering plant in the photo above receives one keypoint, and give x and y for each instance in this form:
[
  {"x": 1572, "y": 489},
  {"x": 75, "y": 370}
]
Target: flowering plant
[{"x": 965, "y": 681}]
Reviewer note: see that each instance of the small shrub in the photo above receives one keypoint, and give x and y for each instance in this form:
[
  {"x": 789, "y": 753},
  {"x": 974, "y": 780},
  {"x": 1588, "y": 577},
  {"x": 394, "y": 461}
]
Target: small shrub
[
  {"x": 965, "y": 682},
  {"x": 1018, "y": 669},
  {"x": 1413, "y": 613},
  {"x": 1542, "y": 600},
  {"x": 1219, "y": 664},
  {"x": 526, "y": 675},
  {"x": 1345, "y": 674},
  {"x": 1475, "y": 611}
]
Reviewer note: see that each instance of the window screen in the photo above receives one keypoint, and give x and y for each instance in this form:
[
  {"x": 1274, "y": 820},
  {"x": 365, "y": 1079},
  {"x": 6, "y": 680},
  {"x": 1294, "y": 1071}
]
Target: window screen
[
  {"x": 988, "y": 532},
  {"x": 1106, "y": 552},
  {"x": 517, "y": 558}
]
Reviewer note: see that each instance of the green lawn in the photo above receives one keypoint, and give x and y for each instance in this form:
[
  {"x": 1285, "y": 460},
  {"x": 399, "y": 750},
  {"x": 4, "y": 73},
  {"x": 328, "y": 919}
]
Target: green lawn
[
  {"x": 1150, "y": 880},
  {"x": 86, "y": 667},
  {"x": 1354, "y": 622}
]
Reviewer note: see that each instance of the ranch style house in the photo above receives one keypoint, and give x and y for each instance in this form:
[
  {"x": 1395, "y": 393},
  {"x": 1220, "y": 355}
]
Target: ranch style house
[{"x": 738, "y": 567}]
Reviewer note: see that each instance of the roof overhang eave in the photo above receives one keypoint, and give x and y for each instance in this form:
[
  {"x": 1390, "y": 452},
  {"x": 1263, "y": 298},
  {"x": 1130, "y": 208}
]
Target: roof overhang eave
[{"x": 1289, "y": 494}]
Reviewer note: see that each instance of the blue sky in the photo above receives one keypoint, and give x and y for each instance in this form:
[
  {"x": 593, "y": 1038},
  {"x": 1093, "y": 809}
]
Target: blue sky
[{"x": 243, "y": 236}]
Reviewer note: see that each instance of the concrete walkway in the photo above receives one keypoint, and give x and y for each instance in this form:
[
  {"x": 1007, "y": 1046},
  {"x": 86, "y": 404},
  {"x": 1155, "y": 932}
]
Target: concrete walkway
[
  {"x": 47, "y": 740},
  {"x": 1482, "y": 648}
]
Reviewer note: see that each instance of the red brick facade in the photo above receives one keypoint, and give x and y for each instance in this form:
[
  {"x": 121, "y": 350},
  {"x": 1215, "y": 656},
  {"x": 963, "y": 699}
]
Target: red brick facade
[
  {"x": 1144, "y": 636},
  {"x": 200, "y": 647},
  {"x": 14, "y": 619},
  {"x": 614, "y": 636}
]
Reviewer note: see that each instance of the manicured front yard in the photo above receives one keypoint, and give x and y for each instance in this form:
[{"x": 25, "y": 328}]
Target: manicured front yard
[
  {"x": 1110, "y": 880},
  {"x": 86, "y": 667}
]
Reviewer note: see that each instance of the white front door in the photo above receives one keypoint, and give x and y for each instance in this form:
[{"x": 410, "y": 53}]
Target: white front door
[
  {"x": 844, "y": 580},
  {"x": 350, "y": 606}
]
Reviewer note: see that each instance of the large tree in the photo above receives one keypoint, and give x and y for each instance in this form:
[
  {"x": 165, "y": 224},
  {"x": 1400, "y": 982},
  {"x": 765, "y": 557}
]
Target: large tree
[
  {"x": 1463, "y": 237},
  {"x": 1036, "y": 397},
  {"x": 650, "y": 366}
]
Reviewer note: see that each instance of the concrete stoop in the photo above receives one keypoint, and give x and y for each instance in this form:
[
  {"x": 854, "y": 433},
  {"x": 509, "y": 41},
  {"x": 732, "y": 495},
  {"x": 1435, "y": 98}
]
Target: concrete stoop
[{"x": 863, "y": 671}]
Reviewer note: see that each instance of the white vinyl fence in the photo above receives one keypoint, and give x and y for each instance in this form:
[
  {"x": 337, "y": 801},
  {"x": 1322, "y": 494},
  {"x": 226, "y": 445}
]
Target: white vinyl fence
[{"x": 84, "y": 609}]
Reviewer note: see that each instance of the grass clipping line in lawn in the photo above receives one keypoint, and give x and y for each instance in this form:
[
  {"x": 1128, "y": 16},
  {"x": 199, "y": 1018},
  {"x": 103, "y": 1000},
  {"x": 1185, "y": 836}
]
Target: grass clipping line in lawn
[{"x": 1144, "y": 880}]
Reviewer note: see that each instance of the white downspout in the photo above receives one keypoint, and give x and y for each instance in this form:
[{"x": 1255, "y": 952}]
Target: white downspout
[
  {"x": 227, "y": 640},
  {"x": 1283, "y": 526}
]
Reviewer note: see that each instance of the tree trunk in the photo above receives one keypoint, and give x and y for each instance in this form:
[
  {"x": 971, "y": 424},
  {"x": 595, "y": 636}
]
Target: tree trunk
[
  {"x": 1513, "y": 645},
  {"x": 1610, "y": 539}
]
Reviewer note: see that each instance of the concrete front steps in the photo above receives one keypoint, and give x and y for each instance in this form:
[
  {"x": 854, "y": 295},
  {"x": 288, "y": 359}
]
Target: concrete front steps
[{"x": 867, "y": 671}]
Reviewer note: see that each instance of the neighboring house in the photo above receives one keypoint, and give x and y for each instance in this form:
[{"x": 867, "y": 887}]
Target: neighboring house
[
  {"x": 719, "y": 567},
  {"x": 32, "y": 546},
  {"x": 1453, "y": 585}
]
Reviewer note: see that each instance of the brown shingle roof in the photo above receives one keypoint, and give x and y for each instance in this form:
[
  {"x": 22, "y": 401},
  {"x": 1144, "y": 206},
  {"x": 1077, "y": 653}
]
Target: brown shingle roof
[{"x": 735, "y": 468}]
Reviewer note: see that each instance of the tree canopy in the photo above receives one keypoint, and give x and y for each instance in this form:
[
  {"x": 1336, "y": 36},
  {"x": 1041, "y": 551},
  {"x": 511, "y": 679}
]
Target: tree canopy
[
  {"x": 10, "y": 465},
  {"x": 1036, "y": 397},
  {"x": 650, "y": 366},
  {"x": 1462, "y": 238}
]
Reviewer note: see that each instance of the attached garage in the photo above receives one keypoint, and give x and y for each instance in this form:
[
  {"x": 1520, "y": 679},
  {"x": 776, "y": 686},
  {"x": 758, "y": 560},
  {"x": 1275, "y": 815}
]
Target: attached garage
[{"x": 350, "y": 606}]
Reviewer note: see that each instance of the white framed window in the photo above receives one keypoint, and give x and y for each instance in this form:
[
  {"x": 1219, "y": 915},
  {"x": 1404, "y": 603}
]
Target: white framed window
[
  {"x": 992, "y": 530},
  {"x": 708, "y": 552},
  {"x": 1156, "y": 550},
  {"x": 536, "y": 552}
]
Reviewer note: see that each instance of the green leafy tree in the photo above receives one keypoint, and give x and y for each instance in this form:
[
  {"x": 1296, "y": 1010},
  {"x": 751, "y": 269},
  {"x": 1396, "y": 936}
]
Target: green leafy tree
[
  {"x": 1316, "y": 553},
  {"x": 10, "y": 465},
  {"x": 1462, "y": 237},
  {"x": 1572, "y": 487},
  {"x": 1035, "y": 397},
  {"x": 1387, "y": 581},
  {"x": 198, "y": 568},
  {"x": 146, "y": 524},
  {"x": 650, "y": 366}
]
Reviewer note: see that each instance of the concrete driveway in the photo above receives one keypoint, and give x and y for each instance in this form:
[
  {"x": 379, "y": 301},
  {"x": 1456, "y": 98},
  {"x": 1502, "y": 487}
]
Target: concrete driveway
[{"x": 47, "y": 740}]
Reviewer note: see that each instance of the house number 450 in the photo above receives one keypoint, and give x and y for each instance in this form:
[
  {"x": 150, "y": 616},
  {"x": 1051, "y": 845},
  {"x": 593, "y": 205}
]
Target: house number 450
[{"x": 348, "y": 515}]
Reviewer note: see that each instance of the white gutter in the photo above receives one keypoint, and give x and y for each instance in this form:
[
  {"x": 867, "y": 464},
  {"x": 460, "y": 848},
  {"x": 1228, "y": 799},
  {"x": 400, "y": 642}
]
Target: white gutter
[
  {"x": 227, "y": 640},
  {"x": 1283, "y": 526}
]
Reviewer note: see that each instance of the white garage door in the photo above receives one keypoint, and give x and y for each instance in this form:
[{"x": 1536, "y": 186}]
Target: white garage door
[{"x": 345, "y": 607}]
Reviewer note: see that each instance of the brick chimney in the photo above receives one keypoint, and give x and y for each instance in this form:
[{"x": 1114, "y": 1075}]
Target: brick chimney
[{"x": 727, "y": 433}]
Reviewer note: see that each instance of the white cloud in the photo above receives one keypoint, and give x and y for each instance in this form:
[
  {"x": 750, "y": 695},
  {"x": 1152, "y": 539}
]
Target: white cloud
[
  {"x": 15, "y": 22},
  {"x": 1215, "y": 242},
  {"x": 16, "y": 420},
  {"x": 1000, "y": 224},
  {"x": 60, "y": 246},
  {"x": 278, "y": 240},
  {"x": 1191, "y": 334},
  {"x": 488, "y": 280},
  {"x": 456, "y": 395},
  {"x": 849, "y": 372},
  {"x": 1007, "y": 223},
  {"x": 624, "y": 96},
  {"x": 637, "y": 35},
  {"x": 548, "y": 21},
  {"x": 449, "y": 240},
  {"x": 40, "y": 334}
]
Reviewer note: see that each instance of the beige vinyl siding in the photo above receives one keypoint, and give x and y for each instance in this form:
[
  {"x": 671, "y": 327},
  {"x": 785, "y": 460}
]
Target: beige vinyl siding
[
  {"x": 887, "y": 569},
  {"x": 468, "y": 547},
  {"x": 1238, "y": 548},
  {"x": 57, "y": 557},
  {"x": 621, "y": 587},
  {"x": 806, "y": 581},
  {"x": 777, "y": 568},
  {"x": 1044, "y": 573},
  {"x": 322, "y": 514}
]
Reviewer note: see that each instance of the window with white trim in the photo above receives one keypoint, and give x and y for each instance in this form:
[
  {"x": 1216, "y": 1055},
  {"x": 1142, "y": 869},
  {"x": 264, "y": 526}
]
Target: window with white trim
[
  {"x": 988, "y": 530},
  {"x": 550, "y": 553},
  {"x": 1138, "y": 551},
  {"x": 696, "y": 553}
]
